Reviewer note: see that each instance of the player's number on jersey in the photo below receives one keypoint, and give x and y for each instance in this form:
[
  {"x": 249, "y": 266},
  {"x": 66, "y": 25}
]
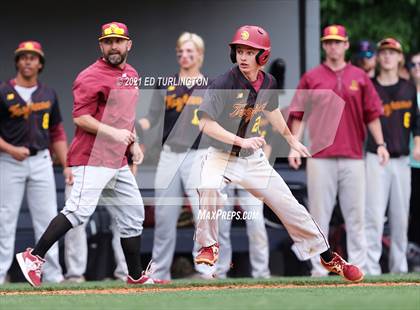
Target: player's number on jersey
[
  {"x": 46, "y": 120},
  {"x": 195, "y": 121},
  {"x": 407, "y": 118},
  {"x": 256, "y": 127}
]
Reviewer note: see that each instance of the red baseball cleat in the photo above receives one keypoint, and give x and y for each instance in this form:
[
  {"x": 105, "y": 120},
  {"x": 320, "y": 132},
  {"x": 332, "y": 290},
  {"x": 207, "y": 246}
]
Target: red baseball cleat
[
  {"x": 31, "y": 266},
  {"x": 339, "y": 266},
  {"x": 146, "y": 277},
  {"x": 208, "y": 255}
]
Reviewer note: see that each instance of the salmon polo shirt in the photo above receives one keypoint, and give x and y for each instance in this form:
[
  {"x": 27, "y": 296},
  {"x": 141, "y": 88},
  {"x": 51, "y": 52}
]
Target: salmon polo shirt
[{"x": 102, "y": 92}]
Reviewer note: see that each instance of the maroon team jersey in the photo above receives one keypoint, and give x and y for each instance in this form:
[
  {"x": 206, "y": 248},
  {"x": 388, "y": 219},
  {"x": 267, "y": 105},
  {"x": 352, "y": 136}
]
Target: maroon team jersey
[
  {"x": 362, "y": 105},
  {"x": 98, "y": 92}
]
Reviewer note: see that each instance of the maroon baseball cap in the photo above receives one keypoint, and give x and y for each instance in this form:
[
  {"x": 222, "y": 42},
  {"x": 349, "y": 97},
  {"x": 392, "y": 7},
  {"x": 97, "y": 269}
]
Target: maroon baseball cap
[
  {"x": 390, "y": 43},
  {"x": 29, "y": 46},
  {"x": 334, "y": 32},
  {"x": 114, "y": 30}
]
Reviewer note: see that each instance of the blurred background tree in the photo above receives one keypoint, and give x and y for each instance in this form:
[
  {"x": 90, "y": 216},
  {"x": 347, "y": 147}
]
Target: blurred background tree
[{"x": 376, "y": 19}]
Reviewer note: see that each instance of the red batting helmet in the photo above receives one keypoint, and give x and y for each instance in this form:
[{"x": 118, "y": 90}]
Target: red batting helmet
[{"x": 252, "y": 36}]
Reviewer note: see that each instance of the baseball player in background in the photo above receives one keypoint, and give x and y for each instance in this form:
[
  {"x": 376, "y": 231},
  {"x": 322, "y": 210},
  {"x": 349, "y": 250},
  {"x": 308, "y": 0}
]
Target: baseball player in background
[
  {"x": 230, "y": 115},
  {"x": 30, "y": 122},
  {"x": 390, "y": 185},
  {"x": 414, "y": 226},
  {"x": 339, "y": 168},
  {"x": 365, "y": 57},
  {"x": 104, "y": 111},
  {"x": 178, "y": 169}
]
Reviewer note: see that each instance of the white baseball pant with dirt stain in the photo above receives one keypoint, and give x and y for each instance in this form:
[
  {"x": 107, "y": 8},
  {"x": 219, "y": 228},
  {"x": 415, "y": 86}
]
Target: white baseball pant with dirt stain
[
  {"x": 259, "y": 248},
  {"x": 255, "y": 174}
]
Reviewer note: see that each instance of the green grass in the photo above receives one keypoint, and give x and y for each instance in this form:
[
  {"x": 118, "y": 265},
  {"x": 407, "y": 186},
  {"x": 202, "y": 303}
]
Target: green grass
[
  {"x": 413, "y": 277},
  {"x": 391, "y": 297}
]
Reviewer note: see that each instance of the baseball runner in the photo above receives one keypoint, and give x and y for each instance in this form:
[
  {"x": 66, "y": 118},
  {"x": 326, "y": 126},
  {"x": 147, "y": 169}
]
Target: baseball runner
[
  {"x": 30, "y": 122},
  {"x": 104, "y": 109},
  {"x": 178, "y": 169},
  {"x": 390, "y": 186},
  {"x": 339, "y": 168},
  {"x": 231, "y": 117}
]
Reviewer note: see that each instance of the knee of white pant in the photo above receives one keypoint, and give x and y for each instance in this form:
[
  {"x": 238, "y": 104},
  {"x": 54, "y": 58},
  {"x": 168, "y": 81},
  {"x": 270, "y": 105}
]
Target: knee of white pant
[
  {"x": 207, "y": 193},
  {"x": 131, "y": 232},
  {"x": 74, "y": 218},
  {"x": 130, "y": 224}
]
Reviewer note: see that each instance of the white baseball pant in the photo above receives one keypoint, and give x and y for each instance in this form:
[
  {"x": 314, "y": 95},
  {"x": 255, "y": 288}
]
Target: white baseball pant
[
  {"x": 390, "y": 183},
  {"x": 255, "y": 174},
  {"x": 76, "y": 250},
  {"x": 35, "y": 175},
  {"x": 257, "y": 236},
  {"x": 345, "y": 177},
  {"x": 113, "y": 188}
]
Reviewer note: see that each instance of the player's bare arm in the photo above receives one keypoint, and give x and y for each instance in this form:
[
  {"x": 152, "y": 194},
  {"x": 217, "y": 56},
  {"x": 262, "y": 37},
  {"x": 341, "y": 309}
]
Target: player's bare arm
[
  {"x": 144, "y": 123},
  {"x": 136, "y": 151},
  {"x": 17, "y": 152},
  {"x": 416, "y": 150},
  {"x": 277, "y": 121},
  {"x": 93, "y": 126},
  {"x": 376, "y": 131},
  {"x": 60, "y": 150},
  {"x": 214, "y": 130},
  {"x": 297, "y": 128}
]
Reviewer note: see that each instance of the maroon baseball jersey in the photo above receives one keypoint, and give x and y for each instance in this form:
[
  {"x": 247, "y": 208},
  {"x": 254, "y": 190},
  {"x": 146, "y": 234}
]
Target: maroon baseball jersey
[
  {"x": 361, "y": 106},
  {"x": 98, "y": 92}
]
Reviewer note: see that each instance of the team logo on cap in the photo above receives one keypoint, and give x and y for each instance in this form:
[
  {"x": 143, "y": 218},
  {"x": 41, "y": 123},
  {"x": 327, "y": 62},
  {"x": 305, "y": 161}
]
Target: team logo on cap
[
  {"x": 333, "y": 30},
  {"x": 245, "y": 35},
  {"x": 29, "y": 46},
  {"x": 113, "y": 29}
]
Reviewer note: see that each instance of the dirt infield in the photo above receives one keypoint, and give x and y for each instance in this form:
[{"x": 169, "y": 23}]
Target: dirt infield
[{"x": 134, "y": 290}]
